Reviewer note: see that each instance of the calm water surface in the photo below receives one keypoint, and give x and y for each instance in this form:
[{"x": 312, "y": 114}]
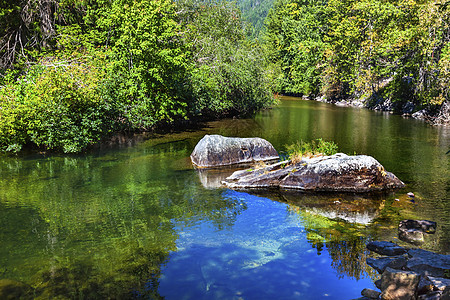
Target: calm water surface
[{"x": 135, "y": 220}]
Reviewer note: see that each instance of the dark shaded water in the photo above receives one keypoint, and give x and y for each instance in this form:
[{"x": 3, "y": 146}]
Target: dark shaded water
[{"x": 139, "y": 222}]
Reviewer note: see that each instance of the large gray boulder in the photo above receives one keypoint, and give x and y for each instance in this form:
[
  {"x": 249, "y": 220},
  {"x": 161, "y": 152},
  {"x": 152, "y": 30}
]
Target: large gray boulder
[
  {"x": 338, "y": 173},
  {"x": 216, "y": 150}
]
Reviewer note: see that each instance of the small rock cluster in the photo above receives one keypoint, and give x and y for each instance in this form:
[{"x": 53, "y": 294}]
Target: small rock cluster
[
  {"x": 408, "y": 273},
  {"x": 412, "y": 231}
]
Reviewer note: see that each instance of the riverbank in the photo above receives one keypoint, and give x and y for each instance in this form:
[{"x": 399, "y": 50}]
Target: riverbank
[
  {"x": 438, "y": 115},
  {"x": 408, "y": 273}
]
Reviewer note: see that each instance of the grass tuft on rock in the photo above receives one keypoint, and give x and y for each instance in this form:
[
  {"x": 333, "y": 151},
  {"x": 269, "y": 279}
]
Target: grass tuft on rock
[{"x": 317, "y": 147}]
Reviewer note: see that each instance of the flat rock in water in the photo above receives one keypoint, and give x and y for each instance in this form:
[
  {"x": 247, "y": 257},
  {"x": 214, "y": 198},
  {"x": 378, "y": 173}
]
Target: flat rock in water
[
  {"x": 424, "y": 226},
  {"x": 428, "y": 263},
  {"x": 216, "y": 150},
  {"x": 440, "y": 284},
  {"x": 386, "y": 248},
  {"x": 371, "y": 294},
  {"x": 380, "y": 264},
  {"x": 335, "y": 173}
]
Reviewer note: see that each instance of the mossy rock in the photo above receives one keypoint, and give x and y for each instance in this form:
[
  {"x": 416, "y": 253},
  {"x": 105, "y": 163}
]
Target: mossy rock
[{"x": 12, "y": 289}]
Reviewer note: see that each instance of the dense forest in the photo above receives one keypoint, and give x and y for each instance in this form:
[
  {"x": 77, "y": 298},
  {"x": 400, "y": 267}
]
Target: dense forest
[
  {"x": 255, "y": 13},
  {"x": 75, "y": 71},
  {"x": 394, "y": 50}
]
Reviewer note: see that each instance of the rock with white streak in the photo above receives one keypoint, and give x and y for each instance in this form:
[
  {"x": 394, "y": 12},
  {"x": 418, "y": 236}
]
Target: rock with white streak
[{"x": 335, "y": 173}]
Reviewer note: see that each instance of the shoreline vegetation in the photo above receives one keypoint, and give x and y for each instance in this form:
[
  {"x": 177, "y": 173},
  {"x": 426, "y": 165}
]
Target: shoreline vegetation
[
  {"x": 392, "y": 55},
  {"x": 82, "y": 71},
  {"x": 73, "y": 73}
]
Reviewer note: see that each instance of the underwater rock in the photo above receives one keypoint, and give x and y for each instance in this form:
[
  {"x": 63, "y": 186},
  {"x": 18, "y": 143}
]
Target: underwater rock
[
  {"x": 216, "y": 150},
  {"x": 412, "y": 236},
  {"x": 335, "y": 173},
  {"x": 412, "y": 230},
  {"x": 11, "y": 289},
  {"x": 360, "y": 208},
  {"x": 398, "y": 284},
  {"x": 212, "y": 178},
  {"x": 386, "y": 248}
]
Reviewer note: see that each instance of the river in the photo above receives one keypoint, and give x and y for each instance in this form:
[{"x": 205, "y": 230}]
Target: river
[{"x": 133, "y": 219}]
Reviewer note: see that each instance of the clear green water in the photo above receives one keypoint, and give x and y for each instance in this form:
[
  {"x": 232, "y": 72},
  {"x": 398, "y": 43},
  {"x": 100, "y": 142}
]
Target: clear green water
[{"x": 134, "y": 220}]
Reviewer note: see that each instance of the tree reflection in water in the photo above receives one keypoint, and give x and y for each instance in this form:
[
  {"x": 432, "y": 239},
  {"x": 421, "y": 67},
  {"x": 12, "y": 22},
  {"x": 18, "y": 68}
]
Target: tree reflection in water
[{"x": 344, "y": 238}]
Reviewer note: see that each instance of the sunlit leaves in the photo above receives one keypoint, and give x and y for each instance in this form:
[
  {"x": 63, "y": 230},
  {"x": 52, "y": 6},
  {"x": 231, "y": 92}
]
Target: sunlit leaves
[{"x": 360, "y": 48}]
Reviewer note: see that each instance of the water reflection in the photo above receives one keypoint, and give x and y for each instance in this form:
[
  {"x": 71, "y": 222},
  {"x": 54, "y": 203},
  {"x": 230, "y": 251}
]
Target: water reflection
[
  {"x": 338, "y": 223},
  {"x": 267, "y": 254},
  {"x": 139, "y": 221},
  {"x": 95, "y": 227}
]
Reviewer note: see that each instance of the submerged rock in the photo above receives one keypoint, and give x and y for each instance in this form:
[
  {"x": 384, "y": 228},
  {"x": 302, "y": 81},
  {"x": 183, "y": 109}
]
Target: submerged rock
[
  {"x": 412, "y": 236},
  {"x": 371, "y": 294},
  {"x": 412, "y": 230},
  {"x": 12, "y": 289},
  {"x": 339, "y": 173},
  {"x": 216, "y": 150}
]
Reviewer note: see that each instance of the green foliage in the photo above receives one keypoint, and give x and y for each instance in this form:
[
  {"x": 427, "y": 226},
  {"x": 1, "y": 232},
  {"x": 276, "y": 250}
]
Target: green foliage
[
  {"x": 227, "y": 73},
  {"x": 56, "y": 105},
  {"x": 124, "y": 65},
  {"x": 316, "y": 147},
  {"x": 148, "y": 59},
  {"x": 255, "y": 12},
  {"x": 295, "y": 40},
  {"x": 359, "y": 48}
]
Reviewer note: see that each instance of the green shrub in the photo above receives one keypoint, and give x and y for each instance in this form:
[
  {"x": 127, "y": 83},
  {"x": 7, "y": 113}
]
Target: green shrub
[
  {"x": 56, "y": 105},
  {"x": 316, "y": 147}
]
